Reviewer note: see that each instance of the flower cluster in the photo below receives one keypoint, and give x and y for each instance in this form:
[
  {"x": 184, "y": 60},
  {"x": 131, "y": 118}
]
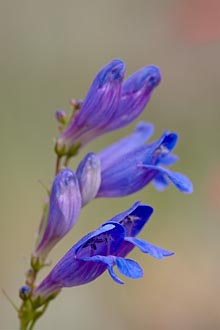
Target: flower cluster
[{"x": 119, "y": 170}]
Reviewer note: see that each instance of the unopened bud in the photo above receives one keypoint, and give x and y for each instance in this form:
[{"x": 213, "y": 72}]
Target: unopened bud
[
  {"x": 76, "y": 104},
  {"x": 61, "y": 116},
  {"x": 89, "y": 176},
  {"x": 25, "y": 292}
]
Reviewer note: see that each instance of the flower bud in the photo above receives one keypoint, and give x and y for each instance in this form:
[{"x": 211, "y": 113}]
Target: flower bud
[
  {"x": 89, "y": 176},
  {"x": 25, "y": 292},
  {"x": 135, "y": 95},
  {"x": 61, "y": 116},
  {"x": 61, "y": 213},
  {"x": 97, "y": 109}
]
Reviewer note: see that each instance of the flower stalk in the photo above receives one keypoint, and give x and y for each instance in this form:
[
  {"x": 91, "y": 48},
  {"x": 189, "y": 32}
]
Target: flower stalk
[{"x": 119, "y": 170}]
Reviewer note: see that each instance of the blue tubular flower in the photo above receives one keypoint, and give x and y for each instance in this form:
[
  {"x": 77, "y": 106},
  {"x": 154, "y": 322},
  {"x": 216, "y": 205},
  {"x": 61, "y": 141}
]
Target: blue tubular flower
[
  {"x": 98, "y": 107},
  {"x": 61, "y": 214},
  {"x": 133, "y": 168},
  {"x": 101, "y": 250}
]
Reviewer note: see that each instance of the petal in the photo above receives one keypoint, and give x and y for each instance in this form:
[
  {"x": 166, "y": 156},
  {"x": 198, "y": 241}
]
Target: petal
[
  {"x": 149, "y": 248},
  {"x": 170, "y": 141},
  {"x": 120, "y": 217},
  {"x": 180, "y": 181},
  {"x": 169, "y": 159},
  {"x": 160, "y": 150},
  {"x": 124, "y": 146},
  {"x": 160, "y": 182},
  {"x": 109, "y": 261},
  {"x": 126, "y": 267},
  {"x": 129, "y": 268},
  {"x": 89, "y": 176},
  {"x": 103, "y": 241},
  {"x": 134, "y": 220}
]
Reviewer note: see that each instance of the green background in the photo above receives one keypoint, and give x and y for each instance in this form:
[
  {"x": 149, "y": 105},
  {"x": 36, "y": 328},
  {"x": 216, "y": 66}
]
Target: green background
[{"x": 50, "y": 52}]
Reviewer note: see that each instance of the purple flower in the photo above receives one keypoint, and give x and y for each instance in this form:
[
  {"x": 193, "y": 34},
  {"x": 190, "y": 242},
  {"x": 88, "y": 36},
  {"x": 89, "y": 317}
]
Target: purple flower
[
  {"x": 101, "y": 250},
  {"x": 61, "y": 214},
  {"x": 129, "y": 165},
  {"x": 109, "y": 105}
]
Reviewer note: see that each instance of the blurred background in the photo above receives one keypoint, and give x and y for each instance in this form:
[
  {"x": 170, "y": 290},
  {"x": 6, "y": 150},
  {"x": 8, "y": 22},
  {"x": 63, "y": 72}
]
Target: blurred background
[{"x": 50, "y": 52}]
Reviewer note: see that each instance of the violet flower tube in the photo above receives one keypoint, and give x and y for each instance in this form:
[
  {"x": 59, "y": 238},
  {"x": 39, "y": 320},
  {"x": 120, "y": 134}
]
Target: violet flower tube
[
  {"x": 61, "y": 214},
  {"x": 101, "y": 250}
]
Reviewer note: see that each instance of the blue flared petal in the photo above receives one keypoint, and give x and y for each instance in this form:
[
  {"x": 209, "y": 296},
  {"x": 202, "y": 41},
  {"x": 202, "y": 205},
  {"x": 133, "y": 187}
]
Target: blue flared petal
[
  {"x": 119, "y": 217},
  {"x": 149, "y": 248},
  {"x": 129, "y": 268},
  {"x": 114, "y": 276},
  {"x": 105, "y": 240},
  {"x": 168, "y": 160},
  {"x": 109, "y": 261},
  {"x": 180, "y": 181},
  {"x": 160, "y": 182},
  {"x": 170, "y": 141},
  {"x": 134, "y": 219},
  {"x": 126, "y": 267}
]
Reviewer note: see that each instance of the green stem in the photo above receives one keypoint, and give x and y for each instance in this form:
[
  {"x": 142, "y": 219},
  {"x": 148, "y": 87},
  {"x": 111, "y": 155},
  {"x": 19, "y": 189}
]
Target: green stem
[
  {"x": 29, "y": 314},
  {"x": 66, "y": 163},
  {"x": 58, "y": 165},
  {"x": 38, "y": 315}
]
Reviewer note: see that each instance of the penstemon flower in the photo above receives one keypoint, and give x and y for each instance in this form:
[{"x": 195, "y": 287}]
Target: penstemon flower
[
  {"x": 119, "y": 170},
  {"x": 97, "y": 109},
  {"x": 134, "y": 168},
  {"x": 101, "y": 250},
  {"x": 129, "y": 165},
  {"x": 109, "y": 105}
]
